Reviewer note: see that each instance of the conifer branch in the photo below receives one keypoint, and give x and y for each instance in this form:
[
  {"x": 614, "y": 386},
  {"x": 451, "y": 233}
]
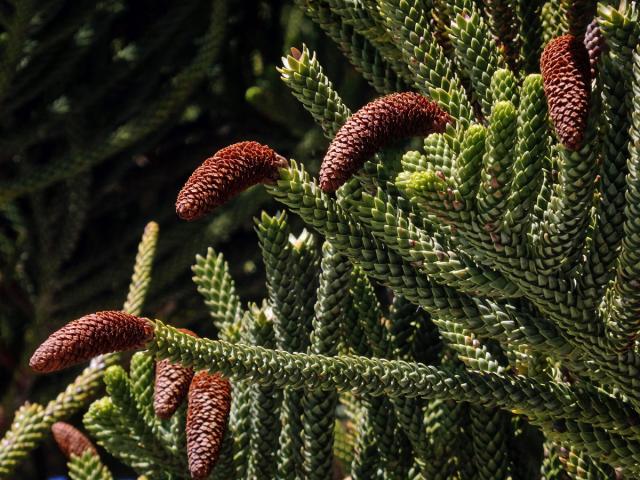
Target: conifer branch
[
  {"x": 623, "y": 299},
  {"x": 478, "y": 53},
  {"x": 529, "y": 17},
  {"x": 266, "y": 402},
  {"x": 532, "y": 152},
  {"x": 373, "y": 376},
  {"x": 87, "y": 467},
  {"x": 506, "y": 25},
  {"x": 86, "y": 385},
  {"x": 377, "y": 61},
  {"x": 211, "y": 275},
  {"x": 432, "y": 71},
  {"x": 318, "y": 408},
  {"x": 141, "y": 277},
  {"x": 303, "y": 74}
]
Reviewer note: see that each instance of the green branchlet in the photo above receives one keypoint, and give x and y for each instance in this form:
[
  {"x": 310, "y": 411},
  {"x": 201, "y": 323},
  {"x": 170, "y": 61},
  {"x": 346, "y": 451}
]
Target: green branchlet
[{"x": 87, "y": 467}]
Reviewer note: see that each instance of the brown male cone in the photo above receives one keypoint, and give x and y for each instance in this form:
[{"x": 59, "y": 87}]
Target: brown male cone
[
  {"x": 230, "y": 171},
  {"x": 566, "y": 74},
  {"x": 70, "y": 440},
  {"x": 378, "y": 123},
  {"x": 171, "y": 384},
  {"x": 89, "y": 336},
  {"x": 207, "y": 414}
]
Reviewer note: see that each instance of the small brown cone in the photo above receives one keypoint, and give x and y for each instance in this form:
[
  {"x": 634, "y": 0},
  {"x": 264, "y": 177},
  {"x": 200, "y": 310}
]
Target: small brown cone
[
  {"x": 595, "y": 44},
  {"x": 209, "y": 404},
  {"x": 378, "y": 123},
  {"x": 229, "y": 172},
  {"x": 89, "y": 336},
  {"x": 70, "y": 440},
  {"x": 171, "y": 385},
  {"x": 566, "y": 75},
  {"x": 296, "y": 53}
]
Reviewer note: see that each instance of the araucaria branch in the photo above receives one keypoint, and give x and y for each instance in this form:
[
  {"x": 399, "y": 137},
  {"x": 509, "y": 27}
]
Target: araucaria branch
[{"x": 467, "y": 304}]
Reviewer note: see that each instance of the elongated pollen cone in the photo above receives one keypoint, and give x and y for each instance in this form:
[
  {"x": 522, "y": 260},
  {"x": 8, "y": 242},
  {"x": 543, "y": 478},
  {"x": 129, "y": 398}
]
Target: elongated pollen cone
[
  {"x": 207, "y": 415},
  {"x": 380, "y": 122},
  {"x": 229, "y": 172},
  {"x": 566, "y": 74},
  {"x": 70, "y": 440},
  {"x": 171, "y": 385},
  {"x": 89, "y": 336}
]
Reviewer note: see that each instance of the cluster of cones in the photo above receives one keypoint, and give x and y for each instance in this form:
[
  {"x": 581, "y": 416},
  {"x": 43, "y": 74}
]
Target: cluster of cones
[
  {"x": 566, "y": 72},
  {"x": 209, "y": 394},
  {"x": 565, "y": 67},
  {"x": 236, "y": 167},
  {"x": 209, "y": 401}
]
